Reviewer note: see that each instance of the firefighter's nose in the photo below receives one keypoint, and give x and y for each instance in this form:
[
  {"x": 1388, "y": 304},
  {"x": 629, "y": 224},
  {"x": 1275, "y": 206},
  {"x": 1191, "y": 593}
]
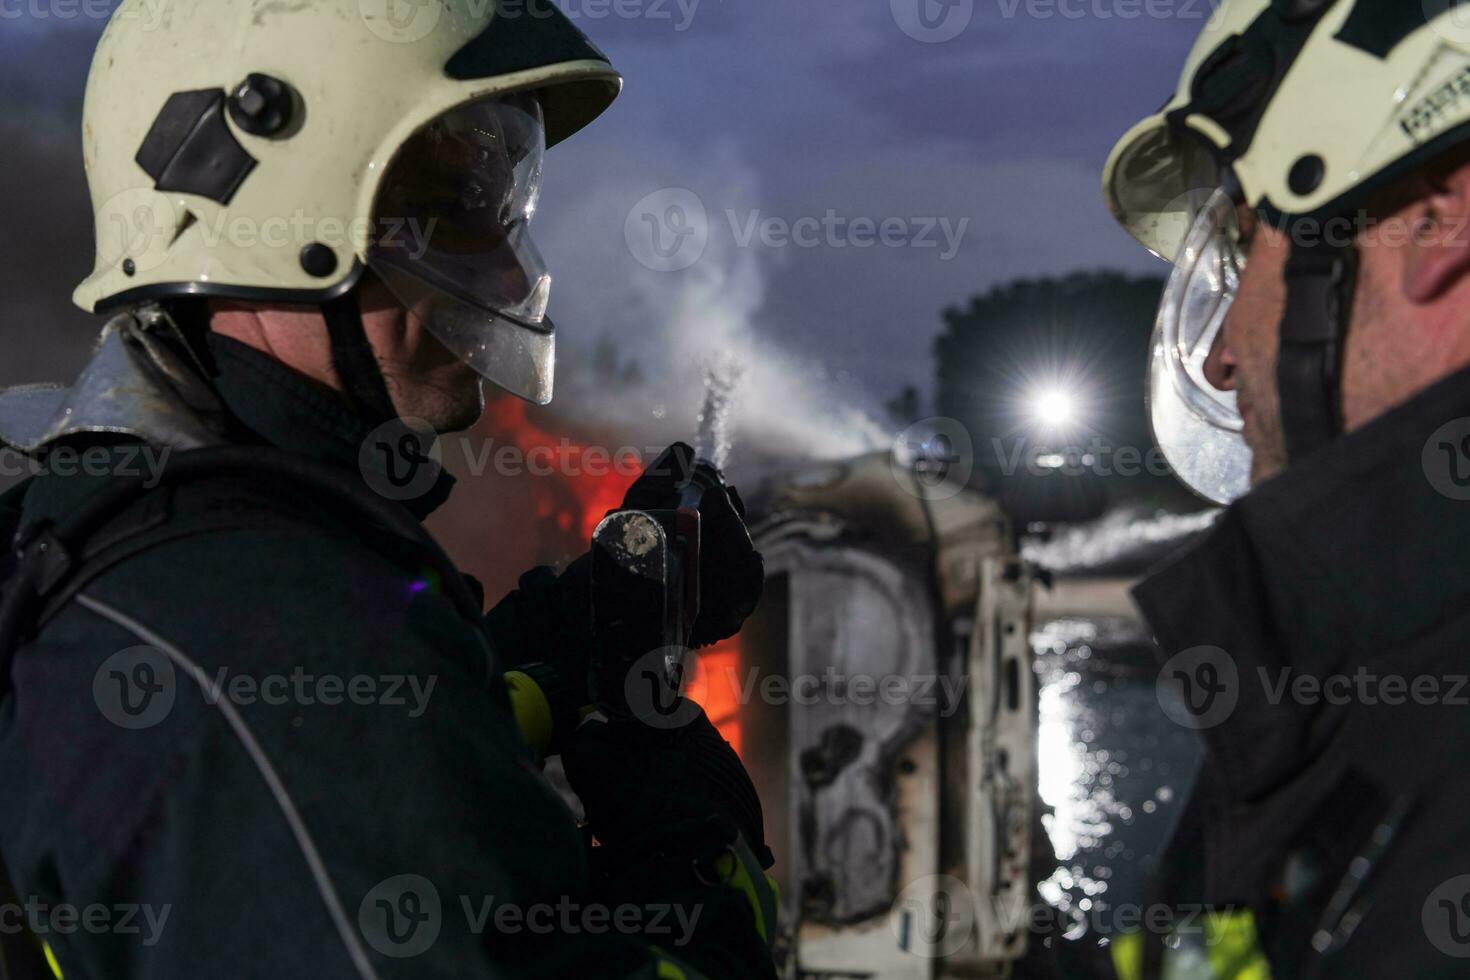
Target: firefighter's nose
[{"x": 1220, "y": 363}]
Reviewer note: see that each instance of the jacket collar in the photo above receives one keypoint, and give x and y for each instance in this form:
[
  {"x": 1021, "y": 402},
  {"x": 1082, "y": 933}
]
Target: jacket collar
[
  {"x": 140, "y": 382},
  {"x": 1350, "y": 554},
  {"x": 286, "y": 410},
  {"x": 143, "y": 382}
]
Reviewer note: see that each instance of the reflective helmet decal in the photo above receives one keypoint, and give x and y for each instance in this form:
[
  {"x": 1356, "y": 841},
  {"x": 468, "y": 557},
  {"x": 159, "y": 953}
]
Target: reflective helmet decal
[{"x": 190, "y": 149}]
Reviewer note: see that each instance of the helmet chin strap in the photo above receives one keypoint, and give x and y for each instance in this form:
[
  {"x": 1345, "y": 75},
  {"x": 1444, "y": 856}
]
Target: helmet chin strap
[
  {"x": 1320, "y": 279},
  {"x": 356, "y": 365}
]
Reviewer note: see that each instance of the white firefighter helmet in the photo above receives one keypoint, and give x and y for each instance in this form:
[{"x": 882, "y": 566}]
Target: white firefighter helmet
[
  {"x": 1298, "y": 109},
  {"x": 267, "y": 151}
]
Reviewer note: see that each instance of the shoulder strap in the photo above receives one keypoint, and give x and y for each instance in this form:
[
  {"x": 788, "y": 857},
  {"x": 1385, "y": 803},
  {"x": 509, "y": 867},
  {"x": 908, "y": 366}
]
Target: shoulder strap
[{"x": 51, "y": 559}]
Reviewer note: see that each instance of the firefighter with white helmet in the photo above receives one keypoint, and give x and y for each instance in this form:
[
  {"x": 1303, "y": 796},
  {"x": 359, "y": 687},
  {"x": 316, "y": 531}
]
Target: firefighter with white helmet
[
  {"x": 1310, "y": 182},
  {"x": 246, "y": 695}
]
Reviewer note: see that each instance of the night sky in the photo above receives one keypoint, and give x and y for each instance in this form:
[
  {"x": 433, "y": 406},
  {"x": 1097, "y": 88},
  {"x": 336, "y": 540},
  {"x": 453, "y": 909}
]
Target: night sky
[{"x": 787, "y": 110}]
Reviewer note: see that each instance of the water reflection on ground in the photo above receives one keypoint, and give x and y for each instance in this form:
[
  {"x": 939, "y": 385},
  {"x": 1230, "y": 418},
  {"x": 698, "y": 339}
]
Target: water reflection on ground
[{"x": 1113, "y": 769}]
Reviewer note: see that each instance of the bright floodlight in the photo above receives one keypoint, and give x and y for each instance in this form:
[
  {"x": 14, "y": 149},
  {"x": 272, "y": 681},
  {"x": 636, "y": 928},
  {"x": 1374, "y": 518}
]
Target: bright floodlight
[{"x": 1053, "y": 408}]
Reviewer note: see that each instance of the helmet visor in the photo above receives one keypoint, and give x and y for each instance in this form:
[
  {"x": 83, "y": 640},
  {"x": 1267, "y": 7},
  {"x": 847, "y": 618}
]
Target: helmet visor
[
  {"x": 454, "y": 244},
  {"x": 1197, "y": 425},
  {"x": 1157, "y": 183}
]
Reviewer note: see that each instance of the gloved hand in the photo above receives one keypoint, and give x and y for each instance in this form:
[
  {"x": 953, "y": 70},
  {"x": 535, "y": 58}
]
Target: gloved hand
[
  {"x": 545, "y": 626},
  {"x": 663, "y": 791},
  {"x": 679, "y": 823},
  {"x": 731, "y": 570}
]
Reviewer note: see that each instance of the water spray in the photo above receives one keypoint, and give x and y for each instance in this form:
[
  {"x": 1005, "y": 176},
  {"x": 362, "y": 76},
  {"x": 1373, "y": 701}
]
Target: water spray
[{"x": 713, "y": 440}]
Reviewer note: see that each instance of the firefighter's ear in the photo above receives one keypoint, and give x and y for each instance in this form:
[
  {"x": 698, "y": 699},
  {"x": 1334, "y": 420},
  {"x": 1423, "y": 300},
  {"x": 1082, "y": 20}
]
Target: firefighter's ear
[{"x": 1437, "y": 244}]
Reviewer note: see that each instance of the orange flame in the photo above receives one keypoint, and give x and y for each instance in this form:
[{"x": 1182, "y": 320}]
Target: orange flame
[
  {"x": 715, "y": 684},
  {"x": 596, "y": 482}
]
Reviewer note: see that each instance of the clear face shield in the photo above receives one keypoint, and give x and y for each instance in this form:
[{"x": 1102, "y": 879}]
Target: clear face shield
[
  {"x": 1197, "y": 426},
  {"x": 454, "y": 247}
]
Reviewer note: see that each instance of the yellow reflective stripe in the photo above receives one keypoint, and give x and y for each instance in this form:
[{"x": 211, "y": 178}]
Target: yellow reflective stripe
[
  {"x": 51, "y": 959},
  {"x": 1126, "y": 950},
  {"x": 532, "y": 711},
  {"x": 738, "y": 867},
  {"x": 1235, "y": 953},
  {"x": 669, "y": 968},
  {"x": 1230, "y": 946}
]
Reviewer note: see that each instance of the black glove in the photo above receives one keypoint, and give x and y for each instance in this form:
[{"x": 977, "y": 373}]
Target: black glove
[
  {"x": 663, "y": 791},
  {"x": 731, "y": 570},
  {"x": 545, "y": 626}
]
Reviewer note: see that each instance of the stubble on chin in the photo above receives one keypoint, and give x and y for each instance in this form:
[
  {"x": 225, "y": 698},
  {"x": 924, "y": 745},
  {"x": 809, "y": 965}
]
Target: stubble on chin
[
  {"x": 1267, "y": 442},
  {"x": 450, "y": 404}
]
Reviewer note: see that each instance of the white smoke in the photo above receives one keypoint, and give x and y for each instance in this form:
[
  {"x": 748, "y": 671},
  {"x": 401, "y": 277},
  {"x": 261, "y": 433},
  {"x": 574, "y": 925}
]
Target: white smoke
[
  {"x": 1113, "y": 537},
  {"x": 674, "y": 327}
]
